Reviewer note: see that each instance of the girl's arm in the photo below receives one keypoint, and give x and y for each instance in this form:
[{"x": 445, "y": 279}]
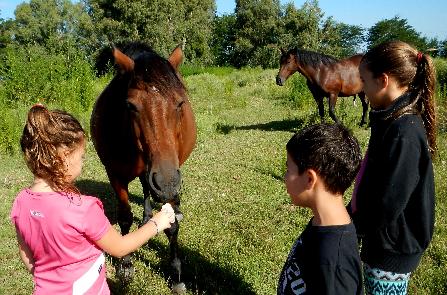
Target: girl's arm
[
  {"x": 118, "y": 246},
  {"x": 25, "y": 253}
]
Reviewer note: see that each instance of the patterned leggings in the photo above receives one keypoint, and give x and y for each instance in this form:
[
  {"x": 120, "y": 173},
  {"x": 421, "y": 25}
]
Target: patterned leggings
[{"x": 380, "y": 282}]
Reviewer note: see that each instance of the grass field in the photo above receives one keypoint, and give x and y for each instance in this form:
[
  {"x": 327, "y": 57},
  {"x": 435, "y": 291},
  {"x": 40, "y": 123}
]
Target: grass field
[{"x": 239, "y": 224}]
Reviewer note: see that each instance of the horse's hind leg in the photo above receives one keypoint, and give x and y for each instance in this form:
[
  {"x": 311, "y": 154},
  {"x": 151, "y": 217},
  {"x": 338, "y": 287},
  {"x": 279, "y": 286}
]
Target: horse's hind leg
[
  {"x": 332, "y": 102},
  {"x": 125, "y": 270},
  {"x": 364, "y": 106}
]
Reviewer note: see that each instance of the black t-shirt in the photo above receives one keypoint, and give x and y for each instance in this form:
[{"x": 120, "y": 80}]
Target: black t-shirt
[{"x": 323, "y": 260}]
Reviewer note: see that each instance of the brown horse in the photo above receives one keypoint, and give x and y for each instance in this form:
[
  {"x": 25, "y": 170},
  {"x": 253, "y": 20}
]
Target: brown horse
[
  {"x": 143, "y": 126},
  {"x": 326, "y": 77}
]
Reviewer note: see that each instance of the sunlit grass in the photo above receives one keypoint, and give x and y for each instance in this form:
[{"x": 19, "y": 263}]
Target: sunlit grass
[{"x": 239, "y": 224}]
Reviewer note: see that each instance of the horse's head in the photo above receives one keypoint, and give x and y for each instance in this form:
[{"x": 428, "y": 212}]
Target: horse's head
[
  {"x": 288, "y": 66},
  {"x": 161, "y": 118}
]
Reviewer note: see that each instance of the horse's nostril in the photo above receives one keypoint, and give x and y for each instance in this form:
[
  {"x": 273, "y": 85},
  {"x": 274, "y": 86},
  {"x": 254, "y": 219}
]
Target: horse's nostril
[
  {"x": 166, "y": 185},
  {"x": 155, "y": 182}
]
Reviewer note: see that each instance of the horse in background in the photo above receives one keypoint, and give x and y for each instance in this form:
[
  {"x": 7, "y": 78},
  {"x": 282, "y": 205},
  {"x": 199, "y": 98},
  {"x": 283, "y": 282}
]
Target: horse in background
[
  {"x": 326, "y": 77},
  {"x": 142, "y": 125}
]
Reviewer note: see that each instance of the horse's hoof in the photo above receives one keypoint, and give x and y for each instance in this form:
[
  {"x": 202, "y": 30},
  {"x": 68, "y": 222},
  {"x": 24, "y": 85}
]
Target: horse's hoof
[
  {"x": 179, "y": 288},
  {"x": 125, "y": 272}
]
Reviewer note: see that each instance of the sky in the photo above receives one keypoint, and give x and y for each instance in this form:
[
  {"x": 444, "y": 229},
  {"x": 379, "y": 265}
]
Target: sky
[{"x": 428, "y": 17}]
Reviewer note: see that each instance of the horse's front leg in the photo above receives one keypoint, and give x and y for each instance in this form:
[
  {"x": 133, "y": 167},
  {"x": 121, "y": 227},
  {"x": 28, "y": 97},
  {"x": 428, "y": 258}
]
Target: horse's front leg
[
  {"x": 147, "y": 213},
  {"x": 332, "y": 102},
  {"x": 178, "y": 287},
  {"x": 364, "y": 106},
  {"x": 318, "y": 99},
  {"x": 124, "y": 269}
]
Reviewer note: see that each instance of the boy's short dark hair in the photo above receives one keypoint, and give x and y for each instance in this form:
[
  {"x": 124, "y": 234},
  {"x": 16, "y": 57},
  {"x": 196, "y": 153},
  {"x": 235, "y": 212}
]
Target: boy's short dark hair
[{"x": 329, "y": 149}]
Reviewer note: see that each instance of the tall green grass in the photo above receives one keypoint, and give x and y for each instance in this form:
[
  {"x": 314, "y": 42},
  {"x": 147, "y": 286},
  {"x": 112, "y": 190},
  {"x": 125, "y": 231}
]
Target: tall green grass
[{"x": 239, "y": 224}]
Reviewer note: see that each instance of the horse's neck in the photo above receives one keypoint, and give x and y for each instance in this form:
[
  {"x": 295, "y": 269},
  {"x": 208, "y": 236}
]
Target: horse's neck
[{"x": 307, "y": 71}]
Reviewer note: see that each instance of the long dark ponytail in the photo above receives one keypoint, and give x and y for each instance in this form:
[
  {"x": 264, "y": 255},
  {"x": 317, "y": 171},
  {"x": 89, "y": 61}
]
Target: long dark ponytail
[{"x": 412, "y": 69}]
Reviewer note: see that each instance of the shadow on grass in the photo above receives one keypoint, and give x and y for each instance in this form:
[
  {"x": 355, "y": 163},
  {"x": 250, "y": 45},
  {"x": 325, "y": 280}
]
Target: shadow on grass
[
  {"x": 105, "y": 192},
  {"x": 291, "y": 125},
  {"x": 200, "y": 275}
]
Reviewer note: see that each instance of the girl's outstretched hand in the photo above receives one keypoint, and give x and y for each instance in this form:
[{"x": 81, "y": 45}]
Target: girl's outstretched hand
[{"x": 165, "y": 217}]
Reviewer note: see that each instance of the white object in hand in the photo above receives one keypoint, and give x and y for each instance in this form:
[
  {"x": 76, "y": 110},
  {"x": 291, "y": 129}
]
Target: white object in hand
[{"x": 167, "y": 208}]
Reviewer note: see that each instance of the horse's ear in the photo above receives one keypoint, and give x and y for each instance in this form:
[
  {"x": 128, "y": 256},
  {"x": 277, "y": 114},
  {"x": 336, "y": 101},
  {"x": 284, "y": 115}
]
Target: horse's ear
[
  {"x": 176, "y": 57},
  {"x": 125, "y": 63},
  {"x": 282, "y": 50}
]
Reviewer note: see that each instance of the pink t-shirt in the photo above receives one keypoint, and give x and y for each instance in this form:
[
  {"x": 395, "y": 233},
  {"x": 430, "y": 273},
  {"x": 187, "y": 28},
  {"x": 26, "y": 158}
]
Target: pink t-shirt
[{"x": 60, "y": 231}]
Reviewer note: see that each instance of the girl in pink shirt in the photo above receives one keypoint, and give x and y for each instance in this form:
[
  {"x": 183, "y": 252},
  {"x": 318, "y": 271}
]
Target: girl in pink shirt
[{"x": 61, "y": 233}]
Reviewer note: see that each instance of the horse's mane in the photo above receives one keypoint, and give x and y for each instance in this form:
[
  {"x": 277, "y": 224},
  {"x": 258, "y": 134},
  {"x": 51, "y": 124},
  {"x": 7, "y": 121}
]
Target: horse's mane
[{"x": 313, "y": 58}]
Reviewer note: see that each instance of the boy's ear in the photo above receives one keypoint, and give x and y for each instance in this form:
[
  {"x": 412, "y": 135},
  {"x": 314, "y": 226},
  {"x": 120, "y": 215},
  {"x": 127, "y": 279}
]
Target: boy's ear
[{"x": 311, "y": 178}]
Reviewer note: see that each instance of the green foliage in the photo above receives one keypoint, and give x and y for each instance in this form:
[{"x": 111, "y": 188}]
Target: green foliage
[
  {"x": 265, "y": 56},
  {"x": 189, "y": 70},
  {"x": 352, "y": 37},
  {"x": 443, "y": 48},
  {"x": 253, "y": 37},
  {"x": 441, "y": 70},
  {"x": 396, "y": 29},
  {"x": 55, "y": 25},
  {"x": 224, "y": 35},
  {"x": 163, "y": 24},
  {"x": 248, "y": 37},
  {"x": 306, "y": 28},
  {"x": 31, "y": 74}
]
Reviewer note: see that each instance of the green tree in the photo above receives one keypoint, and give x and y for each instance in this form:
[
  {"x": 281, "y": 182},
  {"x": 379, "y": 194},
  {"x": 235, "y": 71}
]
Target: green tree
[
  {"x": 307, "y": 28},
  {"x": 5, "y": 32},
  {"x": 302, "y": 26},
  {"x": 396, "y": 29},
  {"x": 54, "y": 24},
  {"x": 352, "y": 39},
  {"x": 443, "y": 48},
  {"x": 222, "y": 43},
  {"x": 257, "y": 32},
  {"x": 162, "y": 23}
]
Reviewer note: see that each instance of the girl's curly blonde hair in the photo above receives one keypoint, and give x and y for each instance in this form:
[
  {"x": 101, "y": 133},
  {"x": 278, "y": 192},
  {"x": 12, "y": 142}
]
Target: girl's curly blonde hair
[{"x": 46, "y": 135}]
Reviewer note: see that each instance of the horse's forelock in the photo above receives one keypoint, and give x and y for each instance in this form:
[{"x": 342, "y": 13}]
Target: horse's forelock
[{"x": 156, "y": 71}]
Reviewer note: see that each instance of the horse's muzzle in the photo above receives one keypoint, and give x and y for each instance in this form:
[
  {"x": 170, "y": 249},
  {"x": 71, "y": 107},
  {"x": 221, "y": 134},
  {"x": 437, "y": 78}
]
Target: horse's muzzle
[
  {"x": 279, "y": 81},
  {"x": 165, "y": 185}
]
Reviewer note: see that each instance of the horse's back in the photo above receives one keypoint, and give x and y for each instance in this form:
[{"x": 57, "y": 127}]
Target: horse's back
[{"x": 342, "y": 78}]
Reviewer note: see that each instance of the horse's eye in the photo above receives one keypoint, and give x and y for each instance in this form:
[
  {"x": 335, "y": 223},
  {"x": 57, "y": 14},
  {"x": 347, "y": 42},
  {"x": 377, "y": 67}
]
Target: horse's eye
[{"x": 131, "y": 107}]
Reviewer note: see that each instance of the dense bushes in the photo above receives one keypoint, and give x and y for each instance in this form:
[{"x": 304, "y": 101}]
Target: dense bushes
[
  {"x": 66, "y": 80},
  {"x": 31, "y": 74},
  {"x": 441, "y": 70}
]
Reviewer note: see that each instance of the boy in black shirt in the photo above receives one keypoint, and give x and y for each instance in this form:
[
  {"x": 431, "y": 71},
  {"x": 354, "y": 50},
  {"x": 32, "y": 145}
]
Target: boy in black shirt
[{"x": 322, "y": 161}]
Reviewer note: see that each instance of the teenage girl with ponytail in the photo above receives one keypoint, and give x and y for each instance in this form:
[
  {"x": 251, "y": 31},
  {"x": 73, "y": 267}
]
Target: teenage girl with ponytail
[{"x": 394, "y": 196}]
